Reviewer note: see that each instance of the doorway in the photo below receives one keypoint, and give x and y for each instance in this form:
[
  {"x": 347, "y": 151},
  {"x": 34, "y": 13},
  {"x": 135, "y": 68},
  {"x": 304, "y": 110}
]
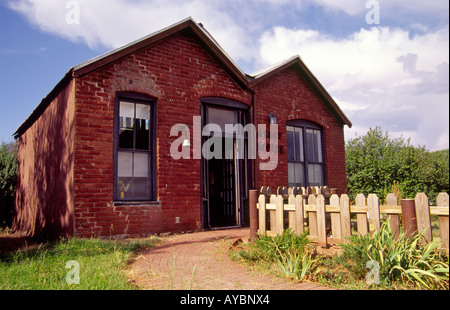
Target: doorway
[
  {"x": 225, "y": 175},
  {"x": 223, "y": 193}
]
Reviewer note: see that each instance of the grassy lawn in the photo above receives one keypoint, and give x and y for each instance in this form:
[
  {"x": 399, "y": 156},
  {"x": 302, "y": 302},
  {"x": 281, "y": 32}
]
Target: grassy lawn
[
  {"x": 75, "y": 264},
  {"x": 94, "y": 264}
]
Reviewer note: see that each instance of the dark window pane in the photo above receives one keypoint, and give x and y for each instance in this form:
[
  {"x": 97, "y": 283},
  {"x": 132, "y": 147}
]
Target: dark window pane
[
  {"x": 126, "y": 125},
  {"x": 126, "y": 138},
  {"x": 298, "y": 146},
  {"x": 140, "y": 165},
  {"x": 142, "y": 134},
  {"x": 314, "y": 145},
  {"x": 141, "y": 188},
  {"x": 310, "y": 154},
  {"x": 296, "y": 174},
  {"x": 299, "y": 175},
  {"x": 290, "y": 144},
  {"x": 299, "y": 142},
  {"x": 291, "y": 174},
  {"x": 125, "y": 174},
  {"x": 142, "y": 126},
  {"x": 125, "y": 164},
  {"x": 133, "y": 175},
  {"x": 315, "y": 175},
  {"x": 318, "y": 145}
]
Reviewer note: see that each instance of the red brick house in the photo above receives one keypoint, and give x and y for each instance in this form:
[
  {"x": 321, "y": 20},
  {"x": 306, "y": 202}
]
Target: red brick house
[{"x": 95, "y": 155}]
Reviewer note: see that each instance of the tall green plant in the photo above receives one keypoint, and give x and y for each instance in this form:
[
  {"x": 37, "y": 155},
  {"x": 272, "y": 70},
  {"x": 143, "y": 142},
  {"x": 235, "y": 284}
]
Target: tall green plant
[
  {"x": 270, "y": 249},
  {"x": 290, "y": 253},
  {"x": 298, "y": 264},
  {"x": 402, "y": 260}
]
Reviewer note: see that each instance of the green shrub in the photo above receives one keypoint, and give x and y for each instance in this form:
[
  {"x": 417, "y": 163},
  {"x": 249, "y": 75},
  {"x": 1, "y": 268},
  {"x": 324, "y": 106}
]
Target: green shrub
[
  {"x": 290, "y": 253},
  {"x": 270, "y": 249},
  {"x": 298, "y": 264},
  {"x": 375, "y": 163},
  {"x": 8, "y": 178},
  {"x": 401, "y": 261}
]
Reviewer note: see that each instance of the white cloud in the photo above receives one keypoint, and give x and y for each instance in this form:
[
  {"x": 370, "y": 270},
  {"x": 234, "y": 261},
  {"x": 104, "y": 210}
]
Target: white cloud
[
  {"x": 362, "y": 58},
  {"x": 112, "y": 23},
  {"x": 390, "y": 8},
  {"x": 379, "y": 76}
]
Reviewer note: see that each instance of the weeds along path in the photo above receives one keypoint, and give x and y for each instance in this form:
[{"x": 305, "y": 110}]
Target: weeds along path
[{"x": 199, "y": 261}]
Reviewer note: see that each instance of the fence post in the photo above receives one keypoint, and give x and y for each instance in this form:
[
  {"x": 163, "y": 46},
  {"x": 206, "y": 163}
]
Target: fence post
[
  {"x": 361, "y": 218},
  {"x": 299, "y": 218},
  {"x": 262, "y": 215},
  {"x": 374, "y": 213},
  {"x": 409, "y": 221},
  {"x": 442, "y": 201},
  {"x": 321, "y": 220},
  {"x": 335, "y": 218},
  {"x": 305, "y": 201},
  {"x": 291, "y": 214},
  {"x": 273, "y": 214},
  {"x": 346, "y": 227},
  {"x": 279, "y": 215},
  {"x": 312, "y": 217},
  {"x": 394, "y": 219},
  {"x": 253, "y": 199},
  {"x": 423, "y": 216}
]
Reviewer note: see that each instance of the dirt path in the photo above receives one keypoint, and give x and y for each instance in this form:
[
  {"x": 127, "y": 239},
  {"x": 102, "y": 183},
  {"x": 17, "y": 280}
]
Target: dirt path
[{"x": 199, "y": 261}]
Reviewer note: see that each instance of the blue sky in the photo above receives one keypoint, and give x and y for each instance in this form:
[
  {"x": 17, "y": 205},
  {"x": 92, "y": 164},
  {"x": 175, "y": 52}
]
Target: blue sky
[{"x": 394, "y": 74}]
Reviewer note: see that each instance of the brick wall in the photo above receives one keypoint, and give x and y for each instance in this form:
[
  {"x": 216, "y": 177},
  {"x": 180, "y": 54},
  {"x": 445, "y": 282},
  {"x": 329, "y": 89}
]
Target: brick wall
[
  {"x": 44, "y": 191},
  {"x": 177, "y": 72},
  {"x": 289, "y": 96}
]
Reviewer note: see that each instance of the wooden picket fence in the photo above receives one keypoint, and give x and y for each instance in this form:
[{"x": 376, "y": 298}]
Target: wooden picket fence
[{"x": 328, "y": 216}]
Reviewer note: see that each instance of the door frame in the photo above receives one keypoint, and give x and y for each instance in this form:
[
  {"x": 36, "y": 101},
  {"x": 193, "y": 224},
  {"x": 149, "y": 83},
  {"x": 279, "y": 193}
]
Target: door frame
[{"x": 243, "y": 178}]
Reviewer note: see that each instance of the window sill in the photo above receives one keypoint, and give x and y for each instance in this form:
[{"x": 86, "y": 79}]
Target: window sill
[{"x": 156, "y": 203}]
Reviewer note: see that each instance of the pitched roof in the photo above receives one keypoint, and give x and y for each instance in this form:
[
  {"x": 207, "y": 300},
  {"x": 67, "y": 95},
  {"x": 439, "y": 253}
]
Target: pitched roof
[
  {"x": 187, "y": 24},
  {"x": 206, "y": 40},
  {"x": 297, "y": 62}
]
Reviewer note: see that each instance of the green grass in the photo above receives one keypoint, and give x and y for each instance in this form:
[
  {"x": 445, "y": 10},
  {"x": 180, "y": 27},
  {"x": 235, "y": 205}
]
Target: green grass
[{"x": 102, "y": 265}]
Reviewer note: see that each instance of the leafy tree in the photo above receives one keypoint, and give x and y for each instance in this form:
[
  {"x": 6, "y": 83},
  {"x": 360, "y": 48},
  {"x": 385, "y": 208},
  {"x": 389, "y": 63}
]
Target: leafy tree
[
  {"x": 8, "y": 177},
  {"x": 376, "y": 163},
  {"x": 440, "y": 171}
]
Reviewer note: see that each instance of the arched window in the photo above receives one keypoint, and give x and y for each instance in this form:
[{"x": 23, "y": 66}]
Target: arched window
[{"x": 306, "y": 162}]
